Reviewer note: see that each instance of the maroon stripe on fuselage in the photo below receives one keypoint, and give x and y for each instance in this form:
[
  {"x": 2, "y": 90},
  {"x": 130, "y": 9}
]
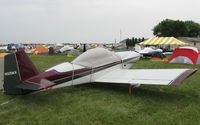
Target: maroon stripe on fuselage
[
  {"x": 96, "y": 69},
  {"x": 53, "y": 75}
]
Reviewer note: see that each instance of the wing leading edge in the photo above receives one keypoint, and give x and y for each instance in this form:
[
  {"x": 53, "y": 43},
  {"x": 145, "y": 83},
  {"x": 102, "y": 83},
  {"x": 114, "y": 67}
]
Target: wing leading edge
[{"x": 147, "y": 76}]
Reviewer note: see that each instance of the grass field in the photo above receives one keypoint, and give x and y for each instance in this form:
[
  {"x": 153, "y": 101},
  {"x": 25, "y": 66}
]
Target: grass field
[{"x": 100, "y": 104}]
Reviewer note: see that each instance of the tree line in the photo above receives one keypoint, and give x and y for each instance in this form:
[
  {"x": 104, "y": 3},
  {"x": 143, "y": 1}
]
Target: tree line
[
  {"x": 177, "y": 28},
  {"x": 131, "y": 42}
]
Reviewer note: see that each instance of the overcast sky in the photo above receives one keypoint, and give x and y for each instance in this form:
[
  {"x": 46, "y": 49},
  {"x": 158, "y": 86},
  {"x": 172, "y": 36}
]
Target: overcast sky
[{"x": 58, "y": 21}]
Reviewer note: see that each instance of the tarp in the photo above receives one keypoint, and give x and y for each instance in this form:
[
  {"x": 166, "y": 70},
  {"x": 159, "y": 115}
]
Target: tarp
[
  {"x": 187, "y": 55},
  {"x": 162, "y": 41},
  {"x": 96, "y": 57},
  {"x": 40, "y": 49}
]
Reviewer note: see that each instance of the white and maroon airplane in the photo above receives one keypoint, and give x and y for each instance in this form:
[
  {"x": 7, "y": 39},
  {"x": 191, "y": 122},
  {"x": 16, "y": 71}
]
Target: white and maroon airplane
[{"x": 95, "y": 65}]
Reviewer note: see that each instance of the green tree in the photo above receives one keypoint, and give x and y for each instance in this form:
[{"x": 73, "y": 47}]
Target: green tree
[
  {"x": 142, "y": 38},
  {"x": 133, "y": 42},
  {"x": 193, "y": 29},
  {"x": 128, "y": 43},
  {"x": 136, "y": 40},
  {"x": 177, "y": 28}
]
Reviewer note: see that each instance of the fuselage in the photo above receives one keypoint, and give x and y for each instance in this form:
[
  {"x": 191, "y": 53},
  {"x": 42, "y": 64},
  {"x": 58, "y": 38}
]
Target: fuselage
[{"x": 83, "y": 70}]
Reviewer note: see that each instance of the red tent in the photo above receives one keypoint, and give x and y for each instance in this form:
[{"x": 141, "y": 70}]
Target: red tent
[{"x": 188, "y": 55}]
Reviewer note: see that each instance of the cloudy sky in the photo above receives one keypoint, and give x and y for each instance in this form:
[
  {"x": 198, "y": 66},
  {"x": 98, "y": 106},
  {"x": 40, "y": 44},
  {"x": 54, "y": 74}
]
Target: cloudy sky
[{"x": 58, "y": 21}]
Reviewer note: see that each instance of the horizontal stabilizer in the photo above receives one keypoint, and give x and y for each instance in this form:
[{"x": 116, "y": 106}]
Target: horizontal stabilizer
[
  {"x": 147, "y": 76},
  {"x": 44, "y": 84}
]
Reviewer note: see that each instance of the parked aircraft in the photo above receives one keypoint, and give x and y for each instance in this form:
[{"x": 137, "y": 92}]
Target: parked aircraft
[{"x": 95, "y": 65}]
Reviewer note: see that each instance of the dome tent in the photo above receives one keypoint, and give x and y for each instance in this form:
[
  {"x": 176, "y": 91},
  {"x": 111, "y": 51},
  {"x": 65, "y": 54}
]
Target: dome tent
[{"x": 187, "y": 55}]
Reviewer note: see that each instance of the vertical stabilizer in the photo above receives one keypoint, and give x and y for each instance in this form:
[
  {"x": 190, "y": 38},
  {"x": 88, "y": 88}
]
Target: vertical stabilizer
[
  {"x": 26, "y": 68},
  {"x": 17, "y": 68}
]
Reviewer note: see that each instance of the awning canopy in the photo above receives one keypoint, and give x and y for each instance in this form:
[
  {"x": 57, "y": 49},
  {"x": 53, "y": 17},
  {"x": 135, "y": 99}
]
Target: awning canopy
[{"x": 162, "y": 41}]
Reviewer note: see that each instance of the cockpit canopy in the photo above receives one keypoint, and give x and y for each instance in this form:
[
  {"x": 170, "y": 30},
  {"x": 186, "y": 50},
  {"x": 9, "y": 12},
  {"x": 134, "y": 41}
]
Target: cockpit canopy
[{"x": 96, "y": 57}]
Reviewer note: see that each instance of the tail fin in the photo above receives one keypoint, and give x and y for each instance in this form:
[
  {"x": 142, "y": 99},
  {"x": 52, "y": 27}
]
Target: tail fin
[{"x": 17, "y": 68}]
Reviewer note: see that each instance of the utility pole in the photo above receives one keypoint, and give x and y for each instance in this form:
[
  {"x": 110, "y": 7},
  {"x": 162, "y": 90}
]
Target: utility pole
[{"x": 120, "y": 35}]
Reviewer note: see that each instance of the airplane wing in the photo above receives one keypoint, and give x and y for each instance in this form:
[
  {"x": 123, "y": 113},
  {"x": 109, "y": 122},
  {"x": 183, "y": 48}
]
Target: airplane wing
[{"x": 147, "y": 76}]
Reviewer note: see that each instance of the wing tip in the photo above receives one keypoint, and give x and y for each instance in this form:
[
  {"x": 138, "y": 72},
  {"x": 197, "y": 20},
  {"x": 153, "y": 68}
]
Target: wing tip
[{"x": 183, "y": 76}]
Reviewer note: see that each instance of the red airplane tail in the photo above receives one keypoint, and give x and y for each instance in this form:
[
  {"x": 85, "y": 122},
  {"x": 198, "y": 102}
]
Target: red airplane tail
[{"x": 17, "y": 68}]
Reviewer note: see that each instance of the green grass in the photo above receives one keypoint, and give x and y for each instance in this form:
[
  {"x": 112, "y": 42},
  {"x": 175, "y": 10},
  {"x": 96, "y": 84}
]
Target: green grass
[{"x": 101, "y": 104}]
